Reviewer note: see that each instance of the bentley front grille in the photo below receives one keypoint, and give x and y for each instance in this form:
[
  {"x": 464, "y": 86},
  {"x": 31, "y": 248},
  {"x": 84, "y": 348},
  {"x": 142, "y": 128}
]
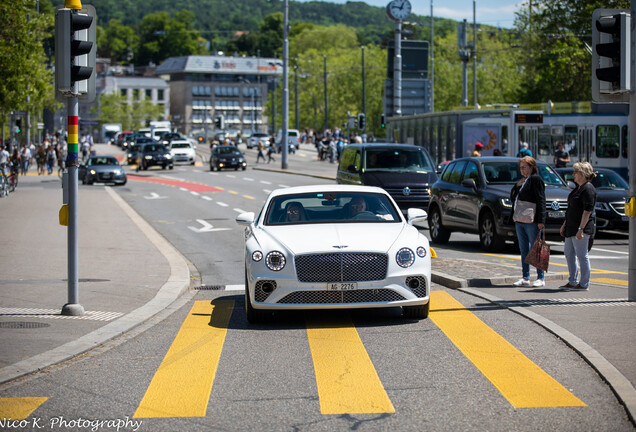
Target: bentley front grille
[
  {"x": 337, "y": 297},
  {"x": 341, "y": 267}
]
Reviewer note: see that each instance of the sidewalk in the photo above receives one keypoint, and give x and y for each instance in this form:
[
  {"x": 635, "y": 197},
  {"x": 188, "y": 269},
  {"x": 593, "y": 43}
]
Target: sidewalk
[{"x": 128, "y": 273}]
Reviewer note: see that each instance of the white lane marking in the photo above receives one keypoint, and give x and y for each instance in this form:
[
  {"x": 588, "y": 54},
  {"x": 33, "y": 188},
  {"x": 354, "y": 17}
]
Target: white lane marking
[
  {"x": 207, "y": 227},
  {"x": 194, "y": 193},
  {"x": 155, "y": 195},
  {"x": 234, "y": 287},
  {"x": 266, "y": 182},
  {"x": 207, "y": 198},
  {"x": 609, "y": 250},
  {"x": 240, "y": 211},
  {"x": 222, "y": 204},
  {"x": 248, "y": 179}
]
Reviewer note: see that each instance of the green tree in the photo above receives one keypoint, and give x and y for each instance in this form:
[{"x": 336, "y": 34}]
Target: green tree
[
  {"x": 555, "y": 37},
  {"x": 117, "y": 41},
  {"x": 114, "y": 108},
  {"x": 344, "y": 84},
  {"x": 162, "y": 36},
  {"x": 23, "y": 64}
]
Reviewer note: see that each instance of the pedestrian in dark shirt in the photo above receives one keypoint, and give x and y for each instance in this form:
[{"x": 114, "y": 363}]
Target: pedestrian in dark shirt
[
  {"x": 578, "y": 227},
  {"x": 561, "y": 157}
]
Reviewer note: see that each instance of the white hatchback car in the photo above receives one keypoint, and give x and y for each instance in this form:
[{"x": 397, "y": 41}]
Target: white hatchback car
[
  {"x": 182, "y": 152},
  {"x": 334, "y": 247}
]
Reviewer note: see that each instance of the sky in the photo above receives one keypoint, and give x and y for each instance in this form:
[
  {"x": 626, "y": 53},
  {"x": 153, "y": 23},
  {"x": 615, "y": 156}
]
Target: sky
[{"x": 497, "y": 13}]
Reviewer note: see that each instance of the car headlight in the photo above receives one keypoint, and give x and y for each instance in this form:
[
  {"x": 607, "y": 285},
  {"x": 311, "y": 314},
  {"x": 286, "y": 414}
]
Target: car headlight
[
  {"x": 421, "y": 252},
  {"x": 93, "y": 172},
  {"x": 405, "y": 257},
  {"x": 601, "y": 206},
  {"x": 257, "y": 256},
  {"x": 148, "y": 157},
  {"x": 275, "y": 261},
  {"x": 120, "y": 171},
  {"x": 168, "y": 156},
  {"x": 505, "y": 202}
]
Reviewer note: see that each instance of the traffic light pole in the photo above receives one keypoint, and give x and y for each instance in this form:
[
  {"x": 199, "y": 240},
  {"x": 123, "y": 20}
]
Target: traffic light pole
[
  {"x": 631, "y": 278},
  {"x": 73, "y": 307}
]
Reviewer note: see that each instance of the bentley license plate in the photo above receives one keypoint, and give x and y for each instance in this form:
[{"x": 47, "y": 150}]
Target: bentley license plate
[
  {"x": 556, "y": 214},
  {"x": 342, "y": 286}
]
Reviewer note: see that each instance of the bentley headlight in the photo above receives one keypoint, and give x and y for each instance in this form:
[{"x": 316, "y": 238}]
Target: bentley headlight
[
  {"x": 275, "y": 261},
  {"x": 421, "y": 252},
  {"x": 405, "y": 257},
  {"x": 257, "y": 256}
]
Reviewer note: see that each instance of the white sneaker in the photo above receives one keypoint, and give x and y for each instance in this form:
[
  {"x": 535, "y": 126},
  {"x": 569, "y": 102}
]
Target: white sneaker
[
  {"x": 522, "y": 282},
  {"x": 538, "y": 283}
]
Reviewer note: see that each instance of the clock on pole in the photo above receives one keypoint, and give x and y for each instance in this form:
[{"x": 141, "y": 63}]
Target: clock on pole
[{"x": 398, "y": 10}]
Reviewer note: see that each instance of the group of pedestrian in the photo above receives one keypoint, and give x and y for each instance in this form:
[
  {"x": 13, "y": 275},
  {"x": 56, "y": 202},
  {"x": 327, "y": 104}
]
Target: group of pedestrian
[{"x": 576, "y": 229}]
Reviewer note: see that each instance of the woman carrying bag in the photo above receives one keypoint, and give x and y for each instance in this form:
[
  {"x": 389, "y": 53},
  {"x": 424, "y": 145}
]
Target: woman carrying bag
[
  {"x": 579, "y": 226},
  {"x": 528, "y": 207}
]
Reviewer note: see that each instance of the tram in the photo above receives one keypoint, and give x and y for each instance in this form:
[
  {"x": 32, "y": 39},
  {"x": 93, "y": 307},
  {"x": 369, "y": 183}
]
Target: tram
[{"x": 596, "y": 133}]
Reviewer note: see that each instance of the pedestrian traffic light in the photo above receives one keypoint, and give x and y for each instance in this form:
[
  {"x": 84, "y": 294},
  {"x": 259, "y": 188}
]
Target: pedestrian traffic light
[
  {"x": 18, "y": 125},
  {"x": 75, "y": 48},
  {"x": 219, "y": 121},
  {"x": 362, "y": 121},
  {"x": 611, "y": 55},
  {"x": 382, "y": 122}
]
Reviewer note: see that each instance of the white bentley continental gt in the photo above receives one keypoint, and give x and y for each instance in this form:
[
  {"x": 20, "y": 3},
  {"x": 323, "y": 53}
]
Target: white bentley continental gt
[{"x": 334, "y": 247}]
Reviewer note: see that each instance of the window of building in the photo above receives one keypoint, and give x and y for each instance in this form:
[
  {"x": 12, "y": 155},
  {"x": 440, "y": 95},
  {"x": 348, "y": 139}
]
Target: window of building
[
  {"x": 124, "y": 92},
  {"x": 149, "y": 94},
  {"x": 160, "y": 94}
]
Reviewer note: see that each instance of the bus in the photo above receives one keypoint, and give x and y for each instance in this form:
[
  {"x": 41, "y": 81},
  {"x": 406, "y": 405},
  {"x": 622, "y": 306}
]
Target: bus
[{"x": 598, "y": 135}]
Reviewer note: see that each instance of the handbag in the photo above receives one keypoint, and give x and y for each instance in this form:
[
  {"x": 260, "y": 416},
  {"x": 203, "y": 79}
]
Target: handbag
[
  {"x": 539, "y": 255},
  {"x": 524, "y": 211}
]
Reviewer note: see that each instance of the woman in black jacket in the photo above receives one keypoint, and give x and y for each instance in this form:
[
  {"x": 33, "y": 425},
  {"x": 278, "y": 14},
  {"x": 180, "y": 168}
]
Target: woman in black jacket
[{"x": 531, "y": 189}]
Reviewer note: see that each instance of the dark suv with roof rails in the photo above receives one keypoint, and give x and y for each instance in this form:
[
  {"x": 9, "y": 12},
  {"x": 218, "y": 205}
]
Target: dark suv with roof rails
[
  {"x": 405, "y": 171},
  {"x": 472, "y": 195}
]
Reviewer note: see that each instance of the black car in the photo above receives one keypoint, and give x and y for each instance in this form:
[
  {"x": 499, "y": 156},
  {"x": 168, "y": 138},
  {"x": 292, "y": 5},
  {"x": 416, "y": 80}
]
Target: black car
[
  {"x": 473, "y": 196},
  {"x": 224, "y": 156},
  {"x": 154, "y": 154},
  {"x": 405, "y": 171},
  {"x": 611, "y": 192},
  {"x": 102, "y": 169}
]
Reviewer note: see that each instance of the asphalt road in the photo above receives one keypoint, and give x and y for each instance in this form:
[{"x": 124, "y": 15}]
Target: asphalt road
[{"x": 199, "y": 365}]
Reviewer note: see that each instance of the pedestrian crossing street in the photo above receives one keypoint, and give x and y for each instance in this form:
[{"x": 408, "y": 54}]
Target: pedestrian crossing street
[{"x": 346, "y": 379}]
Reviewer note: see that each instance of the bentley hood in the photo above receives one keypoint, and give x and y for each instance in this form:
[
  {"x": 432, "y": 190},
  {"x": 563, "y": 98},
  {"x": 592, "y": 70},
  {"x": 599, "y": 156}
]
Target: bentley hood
[{"x": 301, "y": 239}]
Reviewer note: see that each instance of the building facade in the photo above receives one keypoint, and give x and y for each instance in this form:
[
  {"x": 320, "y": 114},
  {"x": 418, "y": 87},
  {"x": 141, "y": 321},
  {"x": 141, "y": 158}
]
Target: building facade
[{"x": 203, "y": 88}]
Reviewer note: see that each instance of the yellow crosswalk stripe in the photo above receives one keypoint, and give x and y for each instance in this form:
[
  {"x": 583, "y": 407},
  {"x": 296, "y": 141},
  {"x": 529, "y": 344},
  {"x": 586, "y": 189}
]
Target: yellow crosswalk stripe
[
  {"x": 19, "y": 408},
  {"x": 345, "y": 376},
  {"x": 518, "y": 379},
  {"x": 182, "y": 384}
]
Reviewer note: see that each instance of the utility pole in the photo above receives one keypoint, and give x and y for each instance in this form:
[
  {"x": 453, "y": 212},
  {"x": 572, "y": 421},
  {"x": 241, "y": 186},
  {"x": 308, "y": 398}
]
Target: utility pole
[
  {"x": 285, "y": 103},
  {"x": 364, "y": 96},
  {"x": 326, "y": 124},
  {"x": 432, "y": 61},
  {"x": 475, "y": 53}
]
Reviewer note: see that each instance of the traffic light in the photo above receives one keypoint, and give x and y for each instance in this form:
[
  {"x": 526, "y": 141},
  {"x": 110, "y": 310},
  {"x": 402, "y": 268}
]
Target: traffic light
[
  {"x": 18, "y": 125},
  {"x": 362, "y": 121},
  {"x": 219, "y": 122},
  {"x": 611, "y": 56},
  {"x": 75, "y": 48},
  {"x": 382, "y": 122}
]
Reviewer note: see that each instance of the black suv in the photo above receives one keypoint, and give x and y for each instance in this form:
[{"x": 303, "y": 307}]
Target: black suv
[
  {"x": 405, "y": 171},
  {"x": 154, "y": 154},
  {"x": 473, "y": 196}
]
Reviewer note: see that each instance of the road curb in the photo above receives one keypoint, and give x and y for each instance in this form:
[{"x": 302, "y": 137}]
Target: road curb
[{"x": 178, "y": 282}]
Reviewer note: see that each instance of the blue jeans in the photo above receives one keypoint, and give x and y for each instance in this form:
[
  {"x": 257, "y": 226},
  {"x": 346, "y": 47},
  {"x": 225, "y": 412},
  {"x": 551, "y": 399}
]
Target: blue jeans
[
  {"x": 527, "y": 234},
  {"x": 576, "y": 250}
]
